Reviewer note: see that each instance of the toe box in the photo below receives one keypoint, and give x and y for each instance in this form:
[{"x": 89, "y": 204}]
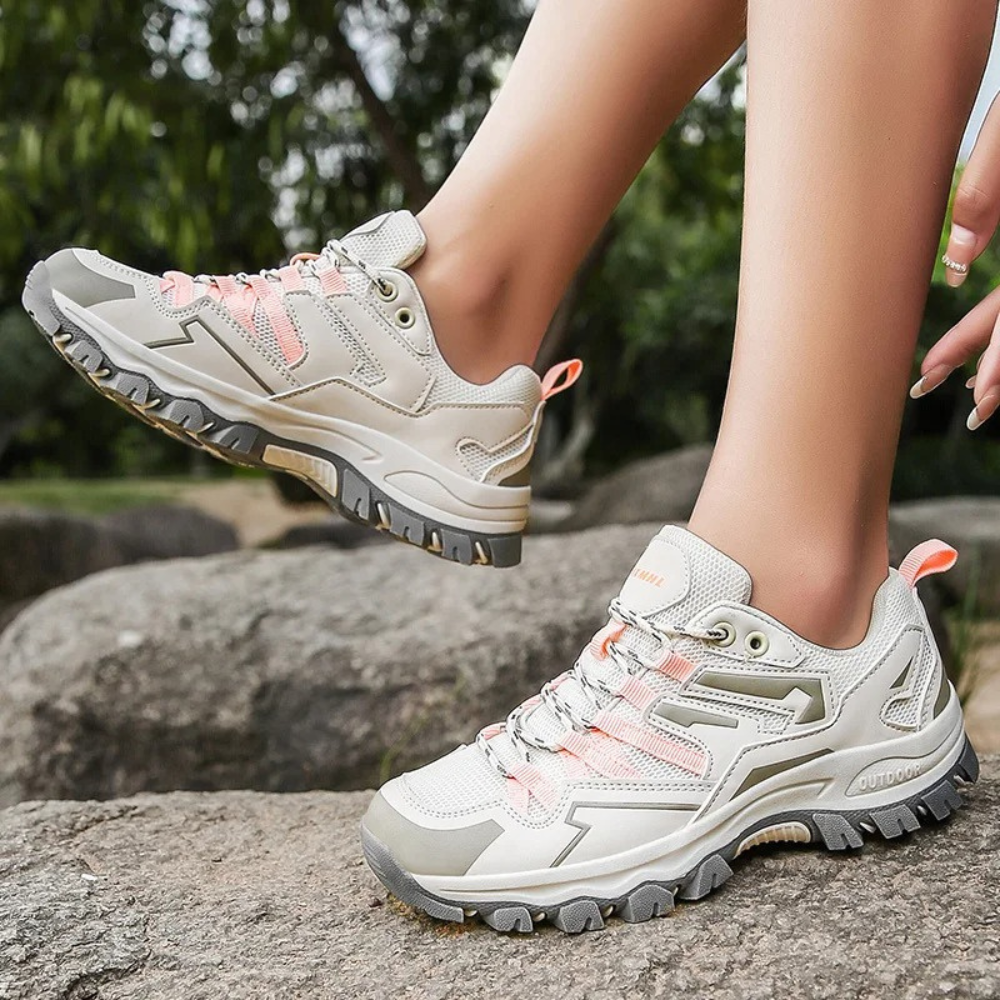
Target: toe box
[
  {"x": 422, "y": 845},
  {"x": 89, "y": 279}
]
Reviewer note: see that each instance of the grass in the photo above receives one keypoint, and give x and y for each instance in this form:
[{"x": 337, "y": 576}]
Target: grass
[{"x": 89, "y": 496}]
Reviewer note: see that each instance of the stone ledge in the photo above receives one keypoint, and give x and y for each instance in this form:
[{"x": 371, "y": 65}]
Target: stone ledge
[{"x": 243, "y": 895}]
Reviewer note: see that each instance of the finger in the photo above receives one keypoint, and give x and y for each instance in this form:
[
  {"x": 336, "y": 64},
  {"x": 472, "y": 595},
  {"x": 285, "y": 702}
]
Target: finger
[
  {"x": 976, "y": 210},
  {"x": 963, "y": 341},
  {"x": 987, "y": 390}
]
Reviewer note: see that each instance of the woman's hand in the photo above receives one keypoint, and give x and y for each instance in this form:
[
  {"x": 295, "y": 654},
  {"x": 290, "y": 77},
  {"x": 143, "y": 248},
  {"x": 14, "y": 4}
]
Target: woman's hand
[{"x": 975, "y": 216}]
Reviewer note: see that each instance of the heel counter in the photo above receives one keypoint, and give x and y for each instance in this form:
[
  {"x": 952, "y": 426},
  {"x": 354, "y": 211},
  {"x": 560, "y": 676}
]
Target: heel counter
[
  {"x": 938, "y": 689},
  {"x": 513, "y": 469}
]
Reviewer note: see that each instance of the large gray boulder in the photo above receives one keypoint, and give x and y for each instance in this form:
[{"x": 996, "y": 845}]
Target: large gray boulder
[
  {"x": 972, "y": 525},
  {"x": 287, "y": 671},
  {"x": 42, "y": 549},
  {"x": 250, "y": 896},
  {"x": 662, "y": 488}
]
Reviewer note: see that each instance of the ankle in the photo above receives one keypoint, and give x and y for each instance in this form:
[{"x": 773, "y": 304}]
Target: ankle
[
  {"x": 475, "y": 301},
  {"x": 829, "y": 604},
  {"x": 821, "y": 588}
]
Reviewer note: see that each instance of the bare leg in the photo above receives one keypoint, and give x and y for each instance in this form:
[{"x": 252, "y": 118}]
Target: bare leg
[
  {"x": 591, "y": 91},
  {"x": 855, "y": 110}
]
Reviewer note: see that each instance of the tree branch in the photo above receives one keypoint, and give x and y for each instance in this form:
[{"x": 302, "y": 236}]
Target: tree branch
[{"x": 401, "y": 158}]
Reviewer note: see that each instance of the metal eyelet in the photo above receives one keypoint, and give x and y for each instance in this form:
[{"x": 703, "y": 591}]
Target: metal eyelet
[
  {"x": 729, "y": 638},
  {"x": 756, "y": 643},
  {"x": 386, "y": 290},
  {"x": 405, "y": 318}
]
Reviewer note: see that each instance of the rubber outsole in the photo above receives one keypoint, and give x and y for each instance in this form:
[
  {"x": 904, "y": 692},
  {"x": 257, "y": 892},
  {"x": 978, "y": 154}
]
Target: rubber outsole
[
  {"x": 190, "y": 420},
  {"x": 836, "y": 831}
]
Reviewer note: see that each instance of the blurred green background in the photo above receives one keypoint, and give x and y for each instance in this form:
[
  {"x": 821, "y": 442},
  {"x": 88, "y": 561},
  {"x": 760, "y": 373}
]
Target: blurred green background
[{"x": 216, "y": 135}]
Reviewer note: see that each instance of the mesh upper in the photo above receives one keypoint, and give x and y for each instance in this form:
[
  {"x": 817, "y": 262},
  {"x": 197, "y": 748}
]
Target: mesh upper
[{"x": 463, "y": 781}]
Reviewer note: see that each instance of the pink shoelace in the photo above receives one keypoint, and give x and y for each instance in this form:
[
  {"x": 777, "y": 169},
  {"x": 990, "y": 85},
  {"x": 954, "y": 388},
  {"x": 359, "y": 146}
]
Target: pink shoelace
[{"x": 240, "y": 293}]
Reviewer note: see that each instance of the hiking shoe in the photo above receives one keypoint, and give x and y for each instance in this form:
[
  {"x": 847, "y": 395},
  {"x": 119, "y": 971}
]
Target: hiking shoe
[
  {"x": 326, "y": 368},
  {"x": 692, "y": 728}
]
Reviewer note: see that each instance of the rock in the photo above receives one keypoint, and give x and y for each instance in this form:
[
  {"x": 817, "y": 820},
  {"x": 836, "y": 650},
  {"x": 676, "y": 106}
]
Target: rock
[
  {"x": 248, "y": 896},
  {"x": 545, "y": 515},
  {"x": 165, "y": 531},
  {"x": 285, "y": 671},
  {"x": 662, "y": 488},
  {"x": 972, "y": 525},
  {"x": 42, "y": 549}
]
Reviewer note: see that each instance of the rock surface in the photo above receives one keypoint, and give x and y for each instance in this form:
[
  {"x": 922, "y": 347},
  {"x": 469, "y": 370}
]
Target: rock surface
[
  {"x": 248, "y": 896},
  {"x": 662, "y": 488},
  {"x": 42, "y": 549},
  {"x": 972, "y": 525},
  {"x": 286, "y": 671}
]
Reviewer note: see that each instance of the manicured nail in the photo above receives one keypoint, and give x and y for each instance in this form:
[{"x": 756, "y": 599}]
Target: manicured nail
[
  {"x": 965, "y": 238},
  {"x": 970, "y": 383},
  {"x": 929, "y": 382},
  {"x": 983, "y": 410}
]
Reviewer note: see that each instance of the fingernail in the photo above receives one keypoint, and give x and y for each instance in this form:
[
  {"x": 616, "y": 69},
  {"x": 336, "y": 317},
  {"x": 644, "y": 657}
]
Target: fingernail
[
  {"x": 929, "y": 382},
  {"x": 970, "y": 383},
  {"x": 962, "y": 236},
  {"x": 983, "y": 410}
]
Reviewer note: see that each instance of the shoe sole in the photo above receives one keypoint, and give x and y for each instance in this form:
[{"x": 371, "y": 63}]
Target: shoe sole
[
  {"x": 835, "y": 831},
  {"x": 332, "y": 477}
]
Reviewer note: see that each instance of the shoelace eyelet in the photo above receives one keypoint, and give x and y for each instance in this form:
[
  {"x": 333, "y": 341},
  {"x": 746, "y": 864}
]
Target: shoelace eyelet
[
  {"x": 386, "y": 290},
  {"x": 405, "y": 318},
  {"x": 756, "y": 643},
  {"x": 729, "y": 638}
]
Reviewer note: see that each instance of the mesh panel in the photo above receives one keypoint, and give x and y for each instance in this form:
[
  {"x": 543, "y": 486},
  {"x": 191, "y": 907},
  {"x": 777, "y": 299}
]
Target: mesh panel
[
  {"x": 391, "y": 240},
  {"x": 461, "y": 782},
  {"x": 479, "y": 461},
  {"x": 519, "y": 386},
  {"x": 265, "y": 332}
]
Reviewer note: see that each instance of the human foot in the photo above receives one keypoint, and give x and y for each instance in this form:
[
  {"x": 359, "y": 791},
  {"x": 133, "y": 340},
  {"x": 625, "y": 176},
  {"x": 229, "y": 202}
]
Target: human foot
[
  {"x": 692, "y": 728},
  {"x": 326, "y": 368}
]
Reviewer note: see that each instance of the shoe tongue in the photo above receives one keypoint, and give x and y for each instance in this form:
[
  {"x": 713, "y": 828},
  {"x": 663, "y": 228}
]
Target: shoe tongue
[
  {"x": 677, "y": 578},
  {"x": 681, "y": 573},
  {"x": 391, "y": 240}
]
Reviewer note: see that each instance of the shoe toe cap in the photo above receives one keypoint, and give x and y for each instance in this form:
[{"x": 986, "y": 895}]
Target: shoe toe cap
[
  {"x": 85, "y": 278},
  {"x": 422, "y": 847}
]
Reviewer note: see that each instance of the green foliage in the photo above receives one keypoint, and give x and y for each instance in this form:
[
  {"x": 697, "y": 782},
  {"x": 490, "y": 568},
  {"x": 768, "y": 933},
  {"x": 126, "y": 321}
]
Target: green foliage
[
  {"x": 656, "y": 325},
  {"x": 208, "y": 136},
  {"x": 219, "y": 135}
]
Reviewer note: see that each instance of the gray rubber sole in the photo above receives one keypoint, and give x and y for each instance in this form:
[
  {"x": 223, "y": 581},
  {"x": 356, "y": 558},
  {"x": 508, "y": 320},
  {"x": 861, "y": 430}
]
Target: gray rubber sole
[
  {"x": 836, "y": 831},
  {"x": 241, "y": 443}
]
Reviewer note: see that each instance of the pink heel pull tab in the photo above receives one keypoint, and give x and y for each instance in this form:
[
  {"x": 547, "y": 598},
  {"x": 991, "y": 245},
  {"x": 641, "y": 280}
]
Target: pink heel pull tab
[
  {"x": 929, "y": 557},
  {"x": 568, "y": 371}
]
